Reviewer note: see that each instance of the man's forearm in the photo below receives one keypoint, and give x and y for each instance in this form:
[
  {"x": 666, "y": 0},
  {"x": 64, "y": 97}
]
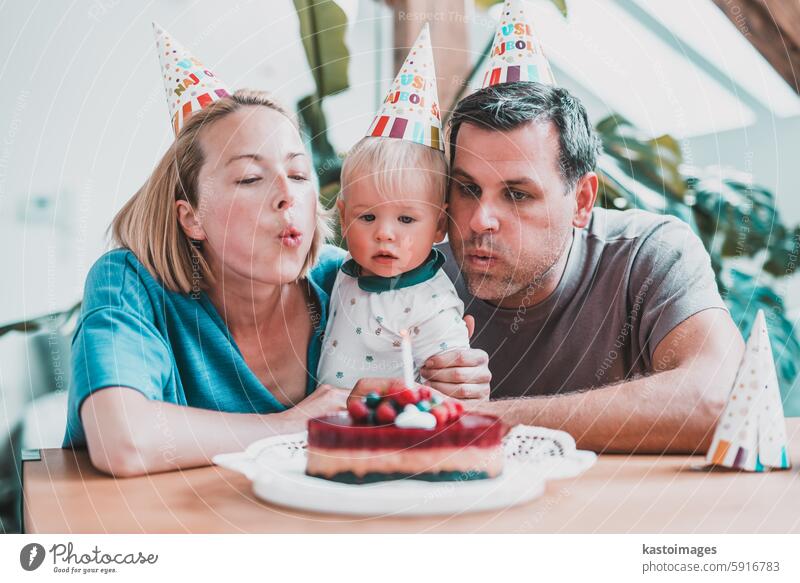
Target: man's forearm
[{"x": 663, "y": 412}]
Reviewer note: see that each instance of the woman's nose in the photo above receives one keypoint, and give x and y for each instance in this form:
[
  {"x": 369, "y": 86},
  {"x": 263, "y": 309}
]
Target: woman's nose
[
  {"x": 285, "y": 198},
  {"x": 484, "y": 219}
]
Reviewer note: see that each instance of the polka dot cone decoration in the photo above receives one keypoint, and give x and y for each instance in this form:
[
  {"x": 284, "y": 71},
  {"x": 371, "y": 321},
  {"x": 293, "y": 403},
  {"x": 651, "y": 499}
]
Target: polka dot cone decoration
[
  {"x": 189, "y": 85},
  {"x": 751, "y": 434},
  {"x": 516, "y": 53},
  {"x": 410, "y": 110}
]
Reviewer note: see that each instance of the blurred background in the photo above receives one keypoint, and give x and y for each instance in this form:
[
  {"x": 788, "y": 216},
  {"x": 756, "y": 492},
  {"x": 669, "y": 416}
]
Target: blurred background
[{"x": 696, "y": 101}]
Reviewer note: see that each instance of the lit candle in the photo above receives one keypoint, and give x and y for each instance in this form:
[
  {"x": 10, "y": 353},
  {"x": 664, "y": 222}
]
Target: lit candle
[{"x": 408, "y": 362}]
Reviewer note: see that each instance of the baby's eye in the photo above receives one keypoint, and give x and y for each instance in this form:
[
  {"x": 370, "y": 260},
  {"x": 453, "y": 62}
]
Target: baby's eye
[
  {"x": 406, "y": 220},
  {"x": 367, "y": 218}
]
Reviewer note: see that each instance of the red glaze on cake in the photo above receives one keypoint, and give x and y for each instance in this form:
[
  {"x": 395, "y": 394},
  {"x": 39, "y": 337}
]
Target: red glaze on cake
[{"x": 364, "y": 445}]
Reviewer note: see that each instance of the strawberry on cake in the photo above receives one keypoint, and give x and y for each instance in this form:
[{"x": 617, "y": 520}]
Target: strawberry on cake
[{"x": 404, "y": 433}]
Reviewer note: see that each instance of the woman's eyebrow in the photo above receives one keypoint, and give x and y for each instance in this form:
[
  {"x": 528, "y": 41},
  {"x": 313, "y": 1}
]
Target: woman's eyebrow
[
  {"x": 254, "y": 157},
  {"x": 258, "y": 158}
]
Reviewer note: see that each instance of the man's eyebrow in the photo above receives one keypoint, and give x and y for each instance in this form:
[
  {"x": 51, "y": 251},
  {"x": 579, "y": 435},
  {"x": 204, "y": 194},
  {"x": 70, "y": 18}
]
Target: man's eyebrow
[
  {"x": 461, "y": 173},
  {"x": 520, "y": 182}
]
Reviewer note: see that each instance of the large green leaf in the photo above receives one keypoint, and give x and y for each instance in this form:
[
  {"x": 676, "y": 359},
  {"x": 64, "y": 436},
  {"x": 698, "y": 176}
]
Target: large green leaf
[
  {"x": 323, "y": 25},
  {"x": 651, "y": 161},
  {"x": 560, "y": 4}
]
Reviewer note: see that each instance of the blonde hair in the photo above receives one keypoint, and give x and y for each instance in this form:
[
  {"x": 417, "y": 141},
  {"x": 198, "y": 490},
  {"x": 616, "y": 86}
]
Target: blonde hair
[
  {"x": 388, "y": 161},
  {"x": 148, "y": 223}
]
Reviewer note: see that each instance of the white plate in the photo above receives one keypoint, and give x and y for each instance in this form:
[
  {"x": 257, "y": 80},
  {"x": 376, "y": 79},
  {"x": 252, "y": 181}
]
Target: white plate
[
  {"x": 293, "y": 488},
  {"x": 276, "y": 467}
]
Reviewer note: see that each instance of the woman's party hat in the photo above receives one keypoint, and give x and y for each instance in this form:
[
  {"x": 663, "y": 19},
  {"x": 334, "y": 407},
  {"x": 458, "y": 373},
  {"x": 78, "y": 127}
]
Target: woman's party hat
[
  {"x": 411, "y": 108},
  {"x": 190, "y": 86},
  {"x": 516, "y": 53}
]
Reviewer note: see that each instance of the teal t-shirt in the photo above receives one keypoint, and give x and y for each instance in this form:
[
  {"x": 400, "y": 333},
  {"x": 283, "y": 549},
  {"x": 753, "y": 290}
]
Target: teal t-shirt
[{"x": 171, "y": 346}]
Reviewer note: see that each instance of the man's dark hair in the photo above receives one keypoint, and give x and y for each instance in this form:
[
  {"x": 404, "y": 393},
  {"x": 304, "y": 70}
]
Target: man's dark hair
[{"x": 507, "y": 106}]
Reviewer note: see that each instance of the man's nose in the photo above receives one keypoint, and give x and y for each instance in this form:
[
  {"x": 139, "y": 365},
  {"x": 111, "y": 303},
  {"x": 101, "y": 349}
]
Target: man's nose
[{"x": 484, "y": 219}]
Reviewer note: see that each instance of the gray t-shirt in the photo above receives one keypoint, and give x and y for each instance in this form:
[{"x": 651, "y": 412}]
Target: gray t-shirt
[{"x": 630, "y": 278}]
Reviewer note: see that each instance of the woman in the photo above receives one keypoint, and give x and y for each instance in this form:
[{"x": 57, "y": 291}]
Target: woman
[{"x": 203, "y": 328}]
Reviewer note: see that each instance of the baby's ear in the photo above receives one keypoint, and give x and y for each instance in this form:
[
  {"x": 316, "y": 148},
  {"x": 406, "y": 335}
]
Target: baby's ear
[
  {"x": 441, "y": 226},
  {"x": 340, "y": 206}
]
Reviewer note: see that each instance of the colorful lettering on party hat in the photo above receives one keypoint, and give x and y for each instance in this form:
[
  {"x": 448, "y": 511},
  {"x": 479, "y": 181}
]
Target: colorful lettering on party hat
[
  {"x": 410, "y": 110},
  {"x": 190, "y": 86},
  {"x": 751, "y": 434},
  {"x": 516, "y": 53}
]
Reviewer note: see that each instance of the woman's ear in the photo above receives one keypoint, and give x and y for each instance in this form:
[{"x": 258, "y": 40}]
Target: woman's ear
[
  {"x": 189, "y": 221},
  {"x": 585, "y": 196}
]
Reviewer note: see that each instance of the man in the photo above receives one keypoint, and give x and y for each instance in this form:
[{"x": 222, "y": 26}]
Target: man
[{"x": 602, "y": 323}]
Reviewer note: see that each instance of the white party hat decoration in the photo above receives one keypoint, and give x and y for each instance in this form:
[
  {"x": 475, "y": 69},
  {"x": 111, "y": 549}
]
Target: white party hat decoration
[
  {"x": 410, "y": 110},
  {"x": 189, "y": 84},
  {"x": 516, "y": 53},
  {"x": 751, "y": 434}
]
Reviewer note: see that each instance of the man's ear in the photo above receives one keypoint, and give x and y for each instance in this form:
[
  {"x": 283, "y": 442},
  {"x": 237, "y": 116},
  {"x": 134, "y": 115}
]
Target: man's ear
[
  {"x": 585, "y": 197},
  {"x": 441, "y": 225},
  {"x": 189, "y": 221}
]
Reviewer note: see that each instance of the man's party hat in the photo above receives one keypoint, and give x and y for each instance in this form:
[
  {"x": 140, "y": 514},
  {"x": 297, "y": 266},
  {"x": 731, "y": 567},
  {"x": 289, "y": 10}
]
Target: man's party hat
[
  {"x": 516, "y": 53},
  {"x": 190, "y": 86},
  {"x": 411, "y": 108},
  {"x": 751, "y": 434}
]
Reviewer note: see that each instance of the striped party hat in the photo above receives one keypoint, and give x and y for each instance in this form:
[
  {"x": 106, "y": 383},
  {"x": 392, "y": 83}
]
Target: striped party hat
[
  {"x": 411, "y": 108},
  {"x": 751, "y": 434},
  {"x": 516, "y": 53},
  {"x": 190, "y": 86}
]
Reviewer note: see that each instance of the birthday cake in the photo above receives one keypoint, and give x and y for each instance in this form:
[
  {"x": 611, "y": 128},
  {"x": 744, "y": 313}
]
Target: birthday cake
[{"x": 407, "y": 433}]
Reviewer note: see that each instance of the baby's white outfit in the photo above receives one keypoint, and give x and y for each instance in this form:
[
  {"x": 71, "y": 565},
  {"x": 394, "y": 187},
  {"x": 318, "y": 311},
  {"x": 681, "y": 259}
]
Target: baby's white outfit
[{"x": 367, "y": 313}]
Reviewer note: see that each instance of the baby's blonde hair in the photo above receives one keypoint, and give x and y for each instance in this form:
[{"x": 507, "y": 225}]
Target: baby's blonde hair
[{"x": 387, "y": 162}]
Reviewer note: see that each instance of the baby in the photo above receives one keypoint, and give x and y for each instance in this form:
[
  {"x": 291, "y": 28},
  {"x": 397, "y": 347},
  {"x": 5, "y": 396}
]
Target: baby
[{"x": 392, "y": 212}]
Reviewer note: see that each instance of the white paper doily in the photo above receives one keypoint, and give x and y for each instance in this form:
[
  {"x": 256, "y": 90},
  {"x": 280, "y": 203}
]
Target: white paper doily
[{"x": 276, "y": 466}]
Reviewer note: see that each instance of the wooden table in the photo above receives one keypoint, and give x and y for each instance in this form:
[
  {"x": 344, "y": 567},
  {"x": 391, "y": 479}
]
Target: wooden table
[{"x": 63, "y": 493}]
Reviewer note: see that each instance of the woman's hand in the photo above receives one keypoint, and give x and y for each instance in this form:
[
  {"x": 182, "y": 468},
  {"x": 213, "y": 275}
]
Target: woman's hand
[{"x": 326, "y": 399}]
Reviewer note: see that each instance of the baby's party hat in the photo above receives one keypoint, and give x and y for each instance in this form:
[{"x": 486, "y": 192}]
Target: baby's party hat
[
  {"x": 516, "y": 53},
  {"x": 190, "y": 86},
  {"x": 751, "y": 434},
  {"x": 411, "y": 108}
]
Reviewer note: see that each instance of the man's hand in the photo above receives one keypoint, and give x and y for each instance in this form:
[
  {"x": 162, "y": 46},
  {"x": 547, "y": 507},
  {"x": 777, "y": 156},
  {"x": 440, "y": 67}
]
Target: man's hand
[{"x": 461, "y": 374}]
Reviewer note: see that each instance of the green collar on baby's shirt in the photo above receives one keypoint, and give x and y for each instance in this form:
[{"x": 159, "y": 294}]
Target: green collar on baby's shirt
[{"x": 376, "y": 283}]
